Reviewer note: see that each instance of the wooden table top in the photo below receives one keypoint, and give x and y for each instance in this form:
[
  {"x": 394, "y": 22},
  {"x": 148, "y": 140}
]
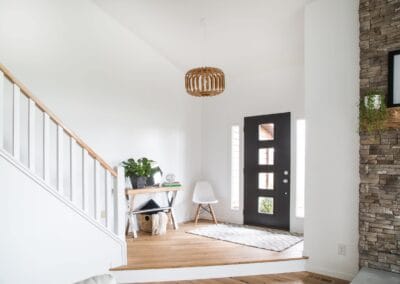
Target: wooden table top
[{"x": 146, "y": 190}]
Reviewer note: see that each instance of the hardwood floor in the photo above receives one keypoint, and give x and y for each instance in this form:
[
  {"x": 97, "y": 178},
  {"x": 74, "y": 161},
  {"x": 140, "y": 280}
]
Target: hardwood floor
[
  {"x": 179, "y": 249},
  {"x": 284, "y": 278}
]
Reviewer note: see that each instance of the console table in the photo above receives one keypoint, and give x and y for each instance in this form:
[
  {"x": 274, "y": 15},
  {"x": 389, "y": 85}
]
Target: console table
[{"x": 170, "y": 193}]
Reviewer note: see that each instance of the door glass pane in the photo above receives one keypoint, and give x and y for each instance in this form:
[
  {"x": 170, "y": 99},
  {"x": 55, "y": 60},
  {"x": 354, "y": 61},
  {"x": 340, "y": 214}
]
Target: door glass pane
[
  {"x": 266, "y": 205},
  {"x": 266, "y": 132},
  {"x": 266, "y": 156},
  {"x": 266, "y": 181}
]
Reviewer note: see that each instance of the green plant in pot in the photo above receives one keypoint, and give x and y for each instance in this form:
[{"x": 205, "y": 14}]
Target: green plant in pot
[
  {"x": 154, "y": 170},
  {"x": 373, "y": 111},
  {"x": 138, "y": 171}
]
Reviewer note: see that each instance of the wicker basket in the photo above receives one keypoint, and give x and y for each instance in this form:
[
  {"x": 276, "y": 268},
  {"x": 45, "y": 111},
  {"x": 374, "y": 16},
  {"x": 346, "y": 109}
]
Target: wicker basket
[{"x": 145, "y": 223}]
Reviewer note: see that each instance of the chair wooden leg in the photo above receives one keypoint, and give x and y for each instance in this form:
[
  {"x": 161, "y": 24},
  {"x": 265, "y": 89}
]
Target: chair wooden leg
[
  {"x": 197, "y": 214},
  {"x": 213, "y": 214}
]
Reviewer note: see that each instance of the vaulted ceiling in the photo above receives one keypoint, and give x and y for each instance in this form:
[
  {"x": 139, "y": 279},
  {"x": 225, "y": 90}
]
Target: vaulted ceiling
[{"x": 240, "y": 36}]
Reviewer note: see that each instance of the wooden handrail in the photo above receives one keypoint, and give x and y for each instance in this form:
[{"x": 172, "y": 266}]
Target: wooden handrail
[{"x": 53, "y": 117}]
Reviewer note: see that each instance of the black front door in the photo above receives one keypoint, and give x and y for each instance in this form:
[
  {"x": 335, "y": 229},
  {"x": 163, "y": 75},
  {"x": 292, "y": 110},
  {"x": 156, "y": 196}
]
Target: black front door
[{"x": 267, "y": 170}]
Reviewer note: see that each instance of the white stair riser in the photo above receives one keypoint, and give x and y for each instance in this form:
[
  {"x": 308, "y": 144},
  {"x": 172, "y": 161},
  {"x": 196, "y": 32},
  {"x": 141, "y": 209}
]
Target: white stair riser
[{"x": 208, "y": 272}]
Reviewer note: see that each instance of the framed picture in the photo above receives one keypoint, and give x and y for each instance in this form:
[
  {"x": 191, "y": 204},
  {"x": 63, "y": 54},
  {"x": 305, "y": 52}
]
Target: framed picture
[{"x": 394, "y": 79}]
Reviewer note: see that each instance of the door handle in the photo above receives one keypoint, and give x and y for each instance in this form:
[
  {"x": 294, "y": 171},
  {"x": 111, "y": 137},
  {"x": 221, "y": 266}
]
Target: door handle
[
  {"x": 285, "y": 180},
  {"x": 285, "y": 193}
]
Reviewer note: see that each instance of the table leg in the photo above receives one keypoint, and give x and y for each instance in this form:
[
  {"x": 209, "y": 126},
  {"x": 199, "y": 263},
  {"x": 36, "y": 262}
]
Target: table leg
[
  {"x": 171, "y": 202},
  {"x": 133, "y": 223},
  {"x": 174, "y": 223},
  {"x": 127, "y": 223},
  {"x": 131, "y": 216}
]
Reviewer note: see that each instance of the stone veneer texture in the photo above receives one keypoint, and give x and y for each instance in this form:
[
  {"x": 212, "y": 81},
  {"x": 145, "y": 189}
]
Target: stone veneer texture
[{"x": 379, "y": 217}]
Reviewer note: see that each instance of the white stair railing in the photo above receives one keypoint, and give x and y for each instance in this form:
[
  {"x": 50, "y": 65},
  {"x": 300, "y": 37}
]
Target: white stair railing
[{"x": 101, "y": 198}]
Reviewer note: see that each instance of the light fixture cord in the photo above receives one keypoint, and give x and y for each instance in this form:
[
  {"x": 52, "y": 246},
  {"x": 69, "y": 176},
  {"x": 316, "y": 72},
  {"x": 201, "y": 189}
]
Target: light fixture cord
[{"x": 203, "y": 24}]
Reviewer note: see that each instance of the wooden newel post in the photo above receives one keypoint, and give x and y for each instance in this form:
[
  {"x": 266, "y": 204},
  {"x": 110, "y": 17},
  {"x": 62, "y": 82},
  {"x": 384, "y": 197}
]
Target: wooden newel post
[{"x": 120, "y": 203}]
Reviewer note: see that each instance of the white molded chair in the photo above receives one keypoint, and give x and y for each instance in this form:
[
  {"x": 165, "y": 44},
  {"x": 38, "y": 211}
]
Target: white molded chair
[{"x": 203, "y": 195}]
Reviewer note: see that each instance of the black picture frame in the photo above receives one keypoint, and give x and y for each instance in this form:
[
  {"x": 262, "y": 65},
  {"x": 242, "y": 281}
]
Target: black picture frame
[{"x": 390, "y": 99}]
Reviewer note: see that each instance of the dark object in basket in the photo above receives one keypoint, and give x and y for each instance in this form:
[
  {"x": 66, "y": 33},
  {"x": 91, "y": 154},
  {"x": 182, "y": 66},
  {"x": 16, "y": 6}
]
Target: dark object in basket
[{"x": 151, "y": 204}]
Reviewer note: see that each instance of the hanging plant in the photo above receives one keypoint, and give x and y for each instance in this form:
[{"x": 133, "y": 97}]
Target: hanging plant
[{"x": 373, "y": 111}]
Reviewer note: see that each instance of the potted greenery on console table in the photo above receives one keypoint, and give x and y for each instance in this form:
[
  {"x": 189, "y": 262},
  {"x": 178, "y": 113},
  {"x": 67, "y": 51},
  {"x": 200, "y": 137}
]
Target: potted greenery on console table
[{"x": 140, "y": 172}]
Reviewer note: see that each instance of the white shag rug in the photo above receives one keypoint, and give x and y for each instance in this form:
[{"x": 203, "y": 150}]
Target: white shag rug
[{"x": 269, "y": 239}]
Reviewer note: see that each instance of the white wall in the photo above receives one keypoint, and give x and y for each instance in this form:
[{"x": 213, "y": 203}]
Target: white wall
[
  {"x": 276, "y": 88},
  {"x": 258, "y": 46},
  {"x": 44, "y": 241},
  {"x": 114, "y": 90},
  {"x": 331, "y": 92}
]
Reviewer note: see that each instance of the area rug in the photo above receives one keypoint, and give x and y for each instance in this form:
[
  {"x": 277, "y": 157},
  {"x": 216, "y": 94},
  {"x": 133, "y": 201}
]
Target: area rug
[{"x": 269, "y": 239}]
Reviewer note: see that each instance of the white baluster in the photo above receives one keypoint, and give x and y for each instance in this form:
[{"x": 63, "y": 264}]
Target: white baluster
[
  {"x": 97, "y": 207},
  {"x": 85, "y": 186},
  {"x": 32, "y": 139},
  {"x": 120, "y": 203},
  {"x": 16, "y": 122},
  {"x": 109, "y": 200},
  {"x": 72, "y": 145},
  {"x": 2, "y": 93},
  {"x": 46, "y": 147},
  {"x": 60, "y": 159}
]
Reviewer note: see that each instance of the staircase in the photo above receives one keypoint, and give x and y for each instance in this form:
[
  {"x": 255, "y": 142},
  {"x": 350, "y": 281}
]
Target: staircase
[{"x": 62, "y": 206}]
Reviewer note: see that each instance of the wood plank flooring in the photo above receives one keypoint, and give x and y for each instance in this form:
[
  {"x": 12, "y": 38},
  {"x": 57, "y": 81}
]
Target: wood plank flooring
[
  {"x": 284, "y": 278},
  {"x": 179, "y": 249}
]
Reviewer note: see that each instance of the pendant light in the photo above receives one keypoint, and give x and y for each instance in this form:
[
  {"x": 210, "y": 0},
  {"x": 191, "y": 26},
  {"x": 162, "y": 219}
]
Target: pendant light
[{"x": 205, "y": 81}]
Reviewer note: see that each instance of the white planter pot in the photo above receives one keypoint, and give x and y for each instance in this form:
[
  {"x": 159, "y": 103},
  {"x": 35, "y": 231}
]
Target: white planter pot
[{"x": 376, "y": 99}]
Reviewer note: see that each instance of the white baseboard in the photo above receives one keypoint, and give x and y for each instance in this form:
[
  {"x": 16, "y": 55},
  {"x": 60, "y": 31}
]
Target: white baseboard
[
  {"x": 328, "y": 272},
  {"x": 207, "y": 272}
]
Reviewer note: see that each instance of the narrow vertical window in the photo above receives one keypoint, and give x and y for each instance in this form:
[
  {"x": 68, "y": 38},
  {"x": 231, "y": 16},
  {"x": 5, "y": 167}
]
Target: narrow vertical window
[
  {"x": 235, "y": 167},
  {"x": 300, "y": 166}
]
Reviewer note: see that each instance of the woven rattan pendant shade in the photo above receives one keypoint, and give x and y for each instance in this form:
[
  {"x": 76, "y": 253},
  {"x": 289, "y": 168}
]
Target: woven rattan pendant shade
[{"x": 205, "y": 81}]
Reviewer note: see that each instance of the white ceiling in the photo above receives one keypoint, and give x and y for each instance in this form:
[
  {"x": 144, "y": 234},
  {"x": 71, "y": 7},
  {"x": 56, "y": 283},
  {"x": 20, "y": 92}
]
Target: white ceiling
[{"x": 241, "y": 36}]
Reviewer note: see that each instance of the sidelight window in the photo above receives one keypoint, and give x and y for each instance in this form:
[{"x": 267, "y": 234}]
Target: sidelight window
[
  {"x": 300, "y": 166},
  {"x": 235, "y": 167}
]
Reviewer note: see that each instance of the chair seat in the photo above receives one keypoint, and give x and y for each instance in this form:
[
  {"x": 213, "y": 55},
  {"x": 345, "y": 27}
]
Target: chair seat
[{"x": 205, "y": 202}]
